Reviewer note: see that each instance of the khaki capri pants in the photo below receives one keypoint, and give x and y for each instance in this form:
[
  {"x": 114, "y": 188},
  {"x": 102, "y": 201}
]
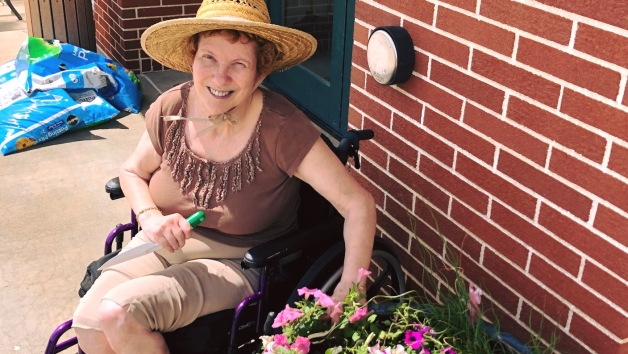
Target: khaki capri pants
[{"x": 166, "y": 291}]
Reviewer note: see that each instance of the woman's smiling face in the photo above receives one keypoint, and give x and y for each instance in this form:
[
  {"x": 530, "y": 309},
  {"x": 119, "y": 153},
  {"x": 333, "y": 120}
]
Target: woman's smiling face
[{"x": 225, "y": 73}]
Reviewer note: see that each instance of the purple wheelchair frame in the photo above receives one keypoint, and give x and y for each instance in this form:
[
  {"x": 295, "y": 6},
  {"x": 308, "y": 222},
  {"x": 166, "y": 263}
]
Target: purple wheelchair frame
[
  {"x": 55, "y": 347},
  {"x": 53, "y": 343},
  {"x": 349, "y": 146}
]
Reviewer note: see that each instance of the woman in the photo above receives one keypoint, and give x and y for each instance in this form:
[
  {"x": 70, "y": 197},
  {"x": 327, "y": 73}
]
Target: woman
[{"x": 237, "y": 166}]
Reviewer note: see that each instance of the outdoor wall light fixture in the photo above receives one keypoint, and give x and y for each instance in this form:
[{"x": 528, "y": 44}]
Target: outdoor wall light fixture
[{"x": 390, "y": 55}]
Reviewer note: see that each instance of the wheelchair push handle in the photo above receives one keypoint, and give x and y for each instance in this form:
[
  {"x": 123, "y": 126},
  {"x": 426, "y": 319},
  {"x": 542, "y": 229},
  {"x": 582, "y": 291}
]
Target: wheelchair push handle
[
  {"x": 366, "y": 134},
  {"x": 350, "y": 145}
]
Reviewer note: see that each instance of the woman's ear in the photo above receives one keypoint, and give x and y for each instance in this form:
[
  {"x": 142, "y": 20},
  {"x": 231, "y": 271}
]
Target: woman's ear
[{"x": 191, "y": 60}]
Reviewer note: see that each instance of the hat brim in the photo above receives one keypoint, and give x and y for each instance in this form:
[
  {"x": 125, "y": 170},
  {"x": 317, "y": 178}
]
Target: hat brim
[{"x": 166, "y": 41}]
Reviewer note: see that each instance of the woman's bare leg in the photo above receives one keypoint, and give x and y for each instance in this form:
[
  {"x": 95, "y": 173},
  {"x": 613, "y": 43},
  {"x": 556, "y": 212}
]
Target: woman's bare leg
[
  {"x": 93, "y": 341},
  {"x": 125, "y": 334}
]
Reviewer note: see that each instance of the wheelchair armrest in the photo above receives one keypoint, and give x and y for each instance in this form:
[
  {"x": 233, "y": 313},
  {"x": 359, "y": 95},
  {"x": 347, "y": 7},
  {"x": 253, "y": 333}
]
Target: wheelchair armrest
[
  {"x": 113, "y": 188},
  {"x": 285, "y": 245}
]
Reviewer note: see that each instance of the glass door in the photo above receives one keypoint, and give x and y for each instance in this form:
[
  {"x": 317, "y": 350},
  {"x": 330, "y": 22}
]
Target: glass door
[{"x": 320, "y": 85}]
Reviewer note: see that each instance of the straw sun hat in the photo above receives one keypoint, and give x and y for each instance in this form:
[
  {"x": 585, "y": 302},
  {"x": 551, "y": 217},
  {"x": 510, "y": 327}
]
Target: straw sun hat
[{"x": 166, "y": 41}]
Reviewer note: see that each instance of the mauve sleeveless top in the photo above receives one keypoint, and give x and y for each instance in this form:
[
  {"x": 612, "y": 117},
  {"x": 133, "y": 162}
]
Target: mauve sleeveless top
[{"x": 247, "y": 200}]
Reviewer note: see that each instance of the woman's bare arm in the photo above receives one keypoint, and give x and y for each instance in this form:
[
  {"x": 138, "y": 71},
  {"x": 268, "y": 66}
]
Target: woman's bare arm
[
  {"x": 169, "y": 231},
  {"x": 323, "y": 171}
]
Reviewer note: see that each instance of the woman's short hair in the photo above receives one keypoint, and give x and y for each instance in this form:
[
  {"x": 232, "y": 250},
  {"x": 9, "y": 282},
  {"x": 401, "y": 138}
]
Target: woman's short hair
[{"x": 266, "y": 51}]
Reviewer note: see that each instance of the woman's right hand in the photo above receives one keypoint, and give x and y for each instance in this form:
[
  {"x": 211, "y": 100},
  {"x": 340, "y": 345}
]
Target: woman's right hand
[{"x": 169, "y": 231}]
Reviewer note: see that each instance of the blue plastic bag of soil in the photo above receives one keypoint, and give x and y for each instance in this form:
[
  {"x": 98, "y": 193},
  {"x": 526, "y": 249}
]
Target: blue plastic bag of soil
[
  {"x": 10, "y": 88},
  {"x": 44, "y": 115},
  {"x": 43, "y": 65}
]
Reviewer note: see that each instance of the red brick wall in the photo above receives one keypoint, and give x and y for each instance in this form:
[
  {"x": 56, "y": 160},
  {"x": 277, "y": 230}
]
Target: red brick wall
[
  {"x": 513, "y": 131},
  {"x": 120, "y": 24}
]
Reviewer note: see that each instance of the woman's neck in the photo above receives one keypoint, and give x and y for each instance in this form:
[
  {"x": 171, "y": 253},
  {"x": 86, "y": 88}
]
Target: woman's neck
[{"x": 244, "y": 113}]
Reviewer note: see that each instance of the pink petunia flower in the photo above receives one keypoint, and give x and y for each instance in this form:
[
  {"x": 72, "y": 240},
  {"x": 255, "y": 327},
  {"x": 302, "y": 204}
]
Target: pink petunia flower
[
  {"x": 301, "y": 345},
  {"x": 400, "y": 349},
  {"x": 374, "y": 349},
  {"x": 307, "y": 292},
  {"x": 324, "y": 300},
  {"x": 281, "y": 340},
  {"x": 397, "y": 350},
  {"x": 415, "y": 338},
  {"x": 286, "y": 316},
  {"x": 336, "y": 312},
  {"x": 447, "y": 350},
  {"x": 475, "y": 296},
  {"x": 362, "y": 273},
  {"x": 425, "y": 351},
  {"x": 359, "y": 313}
]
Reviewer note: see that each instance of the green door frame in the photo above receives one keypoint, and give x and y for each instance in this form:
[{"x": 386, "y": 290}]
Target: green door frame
[{"x": 326, "y": 103}]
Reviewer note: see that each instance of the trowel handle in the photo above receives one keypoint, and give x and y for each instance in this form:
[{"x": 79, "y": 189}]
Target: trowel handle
[{"x": 196, "y": 218}]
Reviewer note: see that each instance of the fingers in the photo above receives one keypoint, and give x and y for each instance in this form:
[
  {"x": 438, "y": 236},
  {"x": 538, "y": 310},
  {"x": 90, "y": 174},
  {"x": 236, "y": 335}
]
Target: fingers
[
  {"x": 175, "y": 238},
  {"x": 185, "y": 228},
  {"x": 163, "y": 242},
  {"x": 170, "y": 232}
]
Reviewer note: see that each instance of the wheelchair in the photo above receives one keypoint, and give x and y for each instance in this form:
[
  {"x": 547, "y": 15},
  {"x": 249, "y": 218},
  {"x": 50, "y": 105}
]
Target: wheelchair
[{"x": 311, "y": 256}]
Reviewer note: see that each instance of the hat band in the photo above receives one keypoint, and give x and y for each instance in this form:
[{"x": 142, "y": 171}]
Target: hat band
[{"x": 230, "y": 18}]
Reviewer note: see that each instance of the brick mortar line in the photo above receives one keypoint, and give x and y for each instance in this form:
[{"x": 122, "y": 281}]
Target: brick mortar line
[
  {"x": 482, "y": 251},
  {"x": 531, "y": 277},
  {"x": 529, "y": 260},
  {"x": 560, "y": 98},
  {"x": 543, "y": 138},
  {"x": 495, "y": 159},
  {"x": 515, "y": 47},
  {"x": 519, "y": 307},
  {"x": 548, "y": 158},
  {"x": 505, "y": 104},
  {"x": 569, "y": 318},
  {"x": 622, "y": 88},
  {"x": 524, "y": 189},
  {"x": 503, "y": 26},
  {"x": 572, "y": 37},
  {"x": 607, "y": 156},
  {"x": 581, "y": 269},
  {"x": 521, "y": 297},
  {"x": 537, "y": 212}
]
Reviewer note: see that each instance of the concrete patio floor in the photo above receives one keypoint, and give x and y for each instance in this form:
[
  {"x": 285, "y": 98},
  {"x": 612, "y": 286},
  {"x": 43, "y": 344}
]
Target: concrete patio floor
[
  {"x": 56, "y": 212},
  {"x": 12, "y": 31}
]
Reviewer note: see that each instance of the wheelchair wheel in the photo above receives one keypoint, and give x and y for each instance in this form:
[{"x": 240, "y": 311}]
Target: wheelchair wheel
[{"x": 388, "y": 278}]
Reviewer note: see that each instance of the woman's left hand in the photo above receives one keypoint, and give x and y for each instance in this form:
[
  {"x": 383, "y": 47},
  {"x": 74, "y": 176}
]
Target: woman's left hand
[{"x": 341, "y": 291}]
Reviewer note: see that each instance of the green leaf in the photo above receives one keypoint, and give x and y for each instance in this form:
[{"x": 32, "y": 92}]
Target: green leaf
[
  {"x": 355, "y": 336},
  {"x": 372, "y": 318}
]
